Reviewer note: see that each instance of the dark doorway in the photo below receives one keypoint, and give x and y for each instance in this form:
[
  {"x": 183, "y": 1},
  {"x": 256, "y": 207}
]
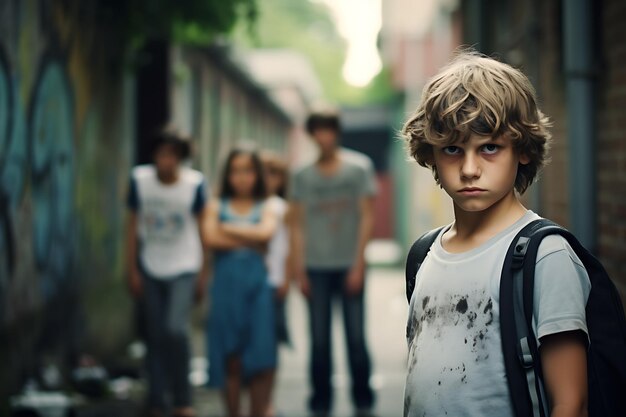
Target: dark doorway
[{"x": 153, "y": 110}]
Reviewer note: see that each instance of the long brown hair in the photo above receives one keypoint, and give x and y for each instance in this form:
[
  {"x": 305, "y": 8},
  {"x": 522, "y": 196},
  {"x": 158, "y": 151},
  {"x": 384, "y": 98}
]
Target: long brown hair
[{"x": 259, "y": 190}]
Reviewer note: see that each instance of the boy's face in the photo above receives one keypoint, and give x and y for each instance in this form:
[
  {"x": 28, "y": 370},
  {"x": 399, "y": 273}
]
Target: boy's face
[
  {"x": 326, "y": 138},
  {"x": 478, "y": 173},
  {"x": 166, "y": 160}
]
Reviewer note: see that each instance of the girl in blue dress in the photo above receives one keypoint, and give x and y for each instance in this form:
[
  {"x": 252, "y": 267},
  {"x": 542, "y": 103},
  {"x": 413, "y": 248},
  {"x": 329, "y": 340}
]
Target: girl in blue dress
[{"x": 241, "y": 333}]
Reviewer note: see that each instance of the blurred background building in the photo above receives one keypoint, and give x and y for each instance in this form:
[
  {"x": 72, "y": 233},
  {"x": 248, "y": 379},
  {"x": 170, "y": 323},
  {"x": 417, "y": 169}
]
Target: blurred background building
[{"x": 84, "y": 84}]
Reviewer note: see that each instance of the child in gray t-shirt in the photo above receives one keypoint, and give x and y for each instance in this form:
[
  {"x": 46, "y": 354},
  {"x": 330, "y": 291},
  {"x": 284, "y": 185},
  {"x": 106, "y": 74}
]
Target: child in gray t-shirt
[
  {"x": 479, "y": 129},
  {"x": 332, "y": 219}
]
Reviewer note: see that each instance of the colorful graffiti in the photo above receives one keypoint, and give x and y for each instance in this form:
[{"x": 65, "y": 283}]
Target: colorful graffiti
[
  {"x": 66, "y": 147},
  {"x": 39, "y": 148},
  {"x": 7, "y": 253},
  {"x": 51, "y": 141}
]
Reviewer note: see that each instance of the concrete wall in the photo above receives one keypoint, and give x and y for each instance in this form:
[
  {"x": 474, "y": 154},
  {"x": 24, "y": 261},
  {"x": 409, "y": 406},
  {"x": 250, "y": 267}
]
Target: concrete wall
[
  {"x": 65, "y": 151},
  {"x": 220, "y": 106}
]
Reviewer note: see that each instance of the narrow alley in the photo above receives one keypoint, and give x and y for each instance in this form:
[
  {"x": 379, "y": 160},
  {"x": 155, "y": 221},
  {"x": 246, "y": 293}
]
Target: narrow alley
[{"x": 386, "y": 319}]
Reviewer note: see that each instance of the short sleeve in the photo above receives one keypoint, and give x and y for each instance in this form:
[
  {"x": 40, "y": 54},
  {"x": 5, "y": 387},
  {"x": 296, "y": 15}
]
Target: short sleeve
[
  {"x": 200, "y": 198},
  {"x": 369, "y": 187},
  {"x": 561, "y": 290},
  {"x": 132, "y": 199}
]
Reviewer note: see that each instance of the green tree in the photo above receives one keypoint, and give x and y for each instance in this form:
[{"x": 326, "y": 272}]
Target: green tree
[
  {"x": 187, "y": 21},
  {"x": 111, "y": 29}
]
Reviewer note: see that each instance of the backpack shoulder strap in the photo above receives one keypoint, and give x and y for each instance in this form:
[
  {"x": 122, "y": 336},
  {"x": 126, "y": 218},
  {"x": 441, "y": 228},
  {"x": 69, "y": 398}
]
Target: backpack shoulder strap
[
  {"x": 605, "y": 320},
  {"x": 416, "y": 256},
  {"x": 519, "y": 347}
]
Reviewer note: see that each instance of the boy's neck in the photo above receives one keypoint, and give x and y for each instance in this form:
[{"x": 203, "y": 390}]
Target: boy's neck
[
  {"x": 329, "y": 157},
  {"x": 167, "y": 177},
  {"x": 328, "y": 164},
  {"x": 479, "y": 226}
]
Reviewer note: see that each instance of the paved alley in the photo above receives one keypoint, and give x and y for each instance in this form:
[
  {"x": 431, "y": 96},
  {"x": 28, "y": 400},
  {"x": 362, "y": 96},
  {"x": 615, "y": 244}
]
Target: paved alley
[{"x": 386, "y": 316}]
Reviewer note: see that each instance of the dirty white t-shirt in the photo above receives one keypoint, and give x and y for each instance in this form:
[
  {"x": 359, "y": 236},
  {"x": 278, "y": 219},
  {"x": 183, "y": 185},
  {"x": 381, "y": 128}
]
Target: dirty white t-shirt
[{"x": 455, "y": 362}]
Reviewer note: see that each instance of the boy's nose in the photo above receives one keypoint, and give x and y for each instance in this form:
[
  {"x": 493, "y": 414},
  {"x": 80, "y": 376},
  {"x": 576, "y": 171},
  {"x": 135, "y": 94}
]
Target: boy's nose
[{"x": 470, "y": 167}]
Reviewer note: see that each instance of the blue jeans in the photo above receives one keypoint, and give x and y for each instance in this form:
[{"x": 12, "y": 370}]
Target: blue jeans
[
  {"x": 166, "y": 307},
  {"x": 327, "y": 285}
]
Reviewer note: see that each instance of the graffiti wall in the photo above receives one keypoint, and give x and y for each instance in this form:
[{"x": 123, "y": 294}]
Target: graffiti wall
[{"x": 66, "y": 145}]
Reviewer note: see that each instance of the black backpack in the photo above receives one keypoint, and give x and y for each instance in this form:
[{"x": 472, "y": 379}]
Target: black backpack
[{"x": 606, "y": 323}]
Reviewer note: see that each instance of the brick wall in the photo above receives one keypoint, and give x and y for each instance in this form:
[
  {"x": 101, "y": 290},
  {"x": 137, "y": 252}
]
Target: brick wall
[
  {"x": 550, "y": 86},
  {"x": 611, "y": 142}
]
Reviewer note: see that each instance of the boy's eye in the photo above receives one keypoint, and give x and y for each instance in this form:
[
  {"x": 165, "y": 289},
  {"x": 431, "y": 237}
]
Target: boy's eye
[
  {"x": 451, "y": 150},
  {"x": 490, "y": 148}
]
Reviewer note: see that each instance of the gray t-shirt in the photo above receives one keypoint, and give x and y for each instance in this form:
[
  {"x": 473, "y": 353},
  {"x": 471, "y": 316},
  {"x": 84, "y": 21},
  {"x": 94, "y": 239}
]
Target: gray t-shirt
[
  {"x": 455, "y": 362},
  {"x": 331, "y": 209}
]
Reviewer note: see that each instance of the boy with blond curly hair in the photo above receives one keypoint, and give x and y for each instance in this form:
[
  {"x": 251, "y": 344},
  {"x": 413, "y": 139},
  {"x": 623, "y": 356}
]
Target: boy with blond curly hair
[{"x": 479, "y": 129}]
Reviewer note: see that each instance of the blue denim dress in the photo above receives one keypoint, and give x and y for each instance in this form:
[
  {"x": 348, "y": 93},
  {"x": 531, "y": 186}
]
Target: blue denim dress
[{"x": 241, "y": 319}]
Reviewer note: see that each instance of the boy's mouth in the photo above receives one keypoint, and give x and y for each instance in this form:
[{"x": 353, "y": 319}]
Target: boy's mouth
[{"x": 471, "y": 190}]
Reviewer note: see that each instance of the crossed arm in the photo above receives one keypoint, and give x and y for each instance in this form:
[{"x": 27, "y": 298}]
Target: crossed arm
[
  {"x": 232, "y": 236},
  {"x": 259, "y": 233}
]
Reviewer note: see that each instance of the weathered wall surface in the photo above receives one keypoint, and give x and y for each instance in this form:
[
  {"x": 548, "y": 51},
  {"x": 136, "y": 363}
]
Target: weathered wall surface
[
  {"x": 216, "y": 102},
  {"x": 610, "y": 124},
  {"x": 611, "y": 149},
  {"x": 66, "y": 145},
  {"x": 69, "y": 133},
  {"x": 529, "y": 34}
]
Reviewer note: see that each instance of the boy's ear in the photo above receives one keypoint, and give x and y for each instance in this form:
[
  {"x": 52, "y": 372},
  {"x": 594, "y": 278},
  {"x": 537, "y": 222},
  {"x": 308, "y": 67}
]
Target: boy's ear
[{"x": 524, "y": 159}]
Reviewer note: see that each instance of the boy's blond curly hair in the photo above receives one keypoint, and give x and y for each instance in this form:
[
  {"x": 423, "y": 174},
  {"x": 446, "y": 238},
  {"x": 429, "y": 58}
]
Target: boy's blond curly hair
[{"x": 475, "y": 94}]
